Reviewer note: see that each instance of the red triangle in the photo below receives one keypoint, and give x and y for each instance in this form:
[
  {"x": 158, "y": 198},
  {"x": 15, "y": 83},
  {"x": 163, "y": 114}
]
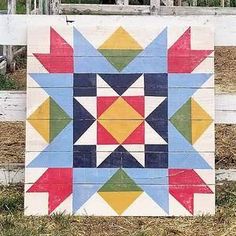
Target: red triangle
[
  {"x": 57, "y": 182},
  {"x": 137, "y": 102},
  {"x": 183, "y": 184},
  {"x": 103, "y": 103},
  {"x": 137, "y": 136},
  {"x": 181, "y": 58},
  {"x": 103, "y": 136},
  {"x": 60, "y": 58}
]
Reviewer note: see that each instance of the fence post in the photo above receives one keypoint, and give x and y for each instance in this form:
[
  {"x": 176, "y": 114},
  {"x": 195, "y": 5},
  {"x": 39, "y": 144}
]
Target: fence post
[
  {"x": 28, "y": 7},
  {"x": 46, "y": 7},
  {"x": 122, "y": 2},
  {"x": 194, "y": 3},
  {"x": 8, "y": 50},
  {"x": 55, "y": 7},
  {"x": 155, "y": 6}
]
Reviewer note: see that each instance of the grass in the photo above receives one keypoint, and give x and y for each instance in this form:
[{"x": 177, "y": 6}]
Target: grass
[{"x": 12, "y": 221}]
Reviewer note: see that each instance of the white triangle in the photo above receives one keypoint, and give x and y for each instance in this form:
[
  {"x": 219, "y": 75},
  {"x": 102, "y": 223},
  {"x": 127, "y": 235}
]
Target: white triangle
[
  {"x": 177, "y": 209},
  {"x": 104, "y": 89},
  {"x": 206, "y": 142},
  {"x": 144, "y": 206},
  {"x": 89, "y": 103},
  {"x": 137, "y": 151},
  {"x": 103, "y": 151},
  {"x": 151, "y": 136},
  {"x": 136, "y": 89},
  {"x": 34, "y": 141},
  {"x": 65, "y": 207},
  {"x": 89, "y": 137},
  {"x": 101, "y": 156},
  {"x": 96, "y": 206},
  {"x": 151, "y": 103}
]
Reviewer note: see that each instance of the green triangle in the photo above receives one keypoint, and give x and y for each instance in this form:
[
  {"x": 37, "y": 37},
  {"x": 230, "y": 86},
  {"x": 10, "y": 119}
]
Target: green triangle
[
  {"x": 119, "y": 58},
  {"x": 120, "y": 182},
  {"x": 56, "y": 112},
  {"x": 58, "y": 119},
  {"x": 56, "y": 126},
  {"x": 182, "y": 120}
]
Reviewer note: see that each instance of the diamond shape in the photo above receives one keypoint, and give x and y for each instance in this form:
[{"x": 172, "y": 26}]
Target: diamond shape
[
  {"x": 120, "y": 49},
  {"x": 120, "y": 119},
  {"x": 49, "y": 119},
  {"x": 191, "y": 120},
  {"x": 120, "y": 191}
]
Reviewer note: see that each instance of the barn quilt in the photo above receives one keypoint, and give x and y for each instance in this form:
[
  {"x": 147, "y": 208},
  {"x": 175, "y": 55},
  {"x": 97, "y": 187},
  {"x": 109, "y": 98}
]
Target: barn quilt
[{"x": 120, "y": 121}]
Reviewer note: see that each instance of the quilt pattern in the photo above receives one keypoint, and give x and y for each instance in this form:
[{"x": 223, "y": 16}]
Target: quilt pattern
[{"x": 120, "y": 121}]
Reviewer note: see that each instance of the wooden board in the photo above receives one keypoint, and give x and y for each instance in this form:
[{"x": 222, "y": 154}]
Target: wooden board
[
  {"x": 118, "y": 123},
  {"x": 13, "y": 107},
  {"x": 13, "y": 28}
]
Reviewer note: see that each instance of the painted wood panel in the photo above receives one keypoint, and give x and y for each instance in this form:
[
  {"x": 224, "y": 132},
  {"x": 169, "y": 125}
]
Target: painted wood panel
[
  {"x": 119, "y": 123},
  {"x": 225, "y": 107}
]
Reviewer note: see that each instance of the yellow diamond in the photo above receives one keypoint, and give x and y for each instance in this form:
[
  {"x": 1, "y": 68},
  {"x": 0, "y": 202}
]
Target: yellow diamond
[{"x": 120, "y": 120}]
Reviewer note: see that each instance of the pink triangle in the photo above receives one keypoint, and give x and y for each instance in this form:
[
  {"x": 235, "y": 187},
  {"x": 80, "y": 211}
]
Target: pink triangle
[
  {"x": 103, "y": 103},
  {"x": 137, "y": 136},
  {"x": 104, "y": 137},
  {"x": 137, "y": 102}
]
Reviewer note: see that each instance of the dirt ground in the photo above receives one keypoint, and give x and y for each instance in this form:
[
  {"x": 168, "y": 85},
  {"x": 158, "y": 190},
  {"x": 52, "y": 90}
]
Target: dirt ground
[
  {"x": 225, "y": 69},
  {"x": 12, "y": 145}
]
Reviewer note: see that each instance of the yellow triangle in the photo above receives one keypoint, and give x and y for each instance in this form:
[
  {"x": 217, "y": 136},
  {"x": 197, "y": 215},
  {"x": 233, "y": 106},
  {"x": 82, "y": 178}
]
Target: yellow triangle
[
  {"x": 200, "y": 120},
  {"x": 120, "y": 109},
  {"x": 42, "y": 112},
  {"x": 119, "y": 201},
  {"x": 197, "y": 112},
  {"x": 40, "y": 119},
  {"x": 42, "y": 126},
  {"x": 198, "y": 128},
  {"x": 120, "y": 129},
  {"x": 121, "y": 40}
]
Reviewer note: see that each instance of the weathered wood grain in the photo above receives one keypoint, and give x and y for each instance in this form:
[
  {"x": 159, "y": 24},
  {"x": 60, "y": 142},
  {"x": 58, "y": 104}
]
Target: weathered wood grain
[
  {"x": 13, "y": 107},
  {"x": 13, "y": 29},
  {"x": 14, "y": 173}
]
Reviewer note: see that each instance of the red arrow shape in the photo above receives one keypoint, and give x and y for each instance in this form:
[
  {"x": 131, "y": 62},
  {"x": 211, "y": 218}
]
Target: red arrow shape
[
  {"x": 57, "y": 182},
  {"x": 60, "y": 58},
  {"x": 181, "y": 59},
  {"x": 183, "y": 184}
]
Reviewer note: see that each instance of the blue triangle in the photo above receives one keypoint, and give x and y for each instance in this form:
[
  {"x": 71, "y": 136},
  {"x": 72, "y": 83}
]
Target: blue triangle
[
  {"x": 158, "y": 120},
  {"x": 63, "y": 97},
  {"x": 80, "y": 113},
  {"x": 88, "y": 59},
  {"x": 88, "y": 181},
  {"x": 154, "y": 182},
  {"x": 57, "y": 80},
  {"x": 52, "y": 160},
  {"x": 59, "y": 152},
  {"x": 82, "y": 193},
  {"x": 177, "y": 97},
  {"x": 187, "y": 80},
  {"x": 181, "y": 152},
  {"x": 120, "y": 82},
  {"x": 158, "y": 193},
  {"x": 82, "y": 120},
  {"x": 153, "y": 59},
  {"x": 120, "y": 158},
  {"x": 181, "y": 160}
]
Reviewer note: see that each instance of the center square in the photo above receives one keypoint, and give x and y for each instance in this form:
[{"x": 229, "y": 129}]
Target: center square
[{"x": 120, "y": 120}]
